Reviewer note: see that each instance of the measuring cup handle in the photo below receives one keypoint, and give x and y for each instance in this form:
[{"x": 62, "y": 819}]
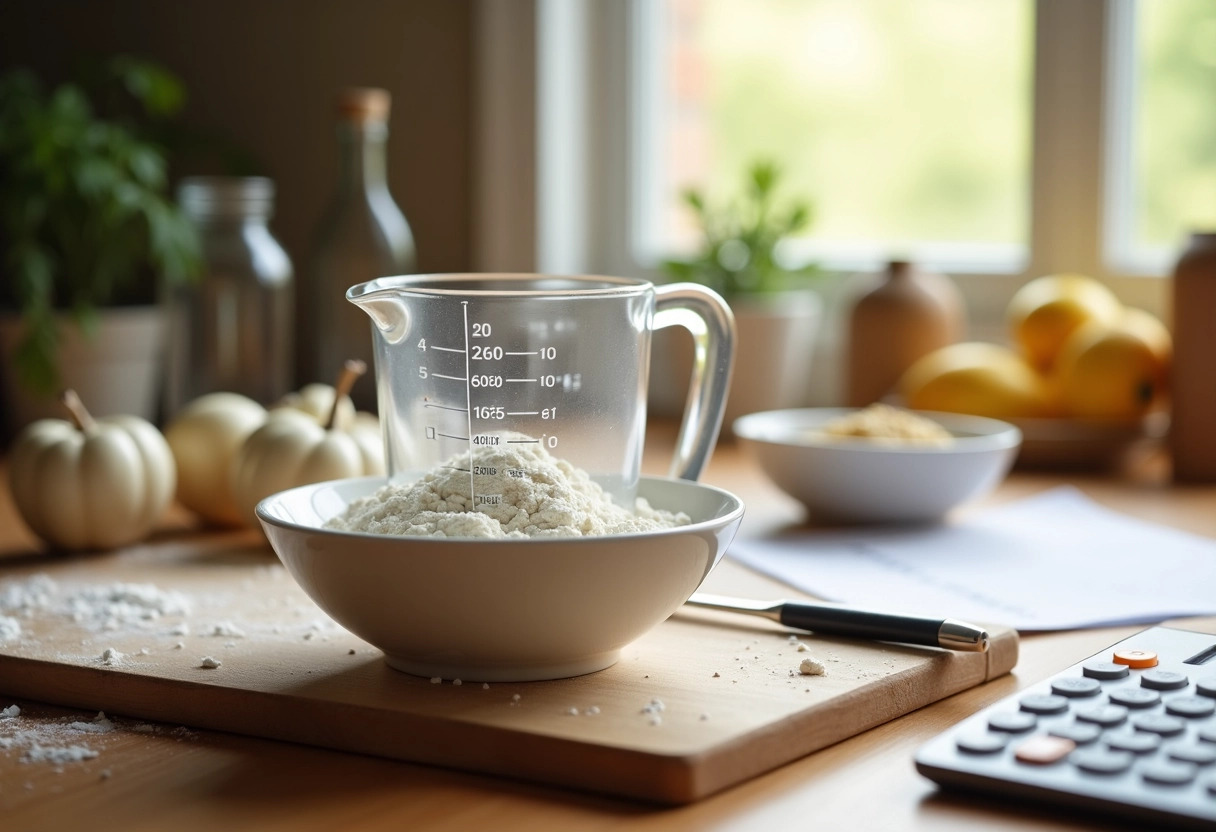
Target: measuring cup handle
[{"x": 703, "y": 313}]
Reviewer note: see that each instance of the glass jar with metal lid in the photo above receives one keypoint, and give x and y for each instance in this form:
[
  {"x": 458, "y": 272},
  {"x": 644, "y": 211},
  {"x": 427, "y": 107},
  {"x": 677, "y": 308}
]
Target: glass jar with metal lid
[{"x": 232, "y": 328}]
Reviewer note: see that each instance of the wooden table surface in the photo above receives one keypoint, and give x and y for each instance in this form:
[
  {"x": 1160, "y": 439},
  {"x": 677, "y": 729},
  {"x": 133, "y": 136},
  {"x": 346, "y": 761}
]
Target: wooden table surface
[{"x": 191, "y": 779}]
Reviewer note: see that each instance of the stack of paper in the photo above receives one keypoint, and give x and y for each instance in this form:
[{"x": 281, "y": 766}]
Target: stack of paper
[{"x": 1054, "y": 561}]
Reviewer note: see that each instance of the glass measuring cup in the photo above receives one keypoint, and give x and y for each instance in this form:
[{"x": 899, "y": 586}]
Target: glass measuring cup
[{"x": 482, "y": 361}]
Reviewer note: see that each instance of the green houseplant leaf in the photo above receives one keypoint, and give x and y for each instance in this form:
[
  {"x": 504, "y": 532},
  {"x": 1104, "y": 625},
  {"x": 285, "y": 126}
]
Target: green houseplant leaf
[
  {"x": 737, "y": 254},
  {"x": 85, "y": 216}
]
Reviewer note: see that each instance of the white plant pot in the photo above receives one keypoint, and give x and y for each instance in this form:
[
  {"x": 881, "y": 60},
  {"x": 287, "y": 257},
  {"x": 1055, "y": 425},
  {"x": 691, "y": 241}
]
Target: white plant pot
[
  {"x": 116, "y": 371},
  {"x": 775, "y": 340}
]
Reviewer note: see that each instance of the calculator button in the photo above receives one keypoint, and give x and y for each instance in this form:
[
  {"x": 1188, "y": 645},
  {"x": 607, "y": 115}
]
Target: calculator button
[
  {"x": 1169, "y": 774},
  {"x": 1104, "y": 670},
  {"x": 981, "y": 743},
  {"x": 1163, "y": 680},
  {"x": 1101, "y": 761},
  {"x": 1136, "y": 658},
  {"x": 1012, "y": 723},
  {"x": 1044, "y": 703},
  {"x": 1044, "y": 751},
  {"x": 1206, "y": 687},
  {"x": 1135, "y": 697},
  {"x": 1166, "y": 726},
  {"x": 1108, "y": 716},
  {"x": 1199, "y": 754},
  {"x": 1075, "y": 686},
  {"x": 1079, "y": 732},
  {"x": 1195, "y": 707},
  {"x": 1135, "y": 743}
]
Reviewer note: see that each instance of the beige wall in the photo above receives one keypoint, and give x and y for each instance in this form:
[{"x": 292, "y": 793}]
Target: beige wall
[{"x": 264, "y": 73}]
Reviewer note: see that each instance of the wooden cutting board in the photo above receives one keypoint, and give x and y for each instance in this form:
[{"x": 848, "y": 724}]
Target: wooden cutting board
[{"x": 704, "y": 701}]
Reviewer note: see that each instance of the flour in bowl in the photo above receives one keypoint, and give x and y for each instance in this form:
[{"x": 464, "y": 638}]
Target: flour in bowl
[{"x": 523, "y": 492}]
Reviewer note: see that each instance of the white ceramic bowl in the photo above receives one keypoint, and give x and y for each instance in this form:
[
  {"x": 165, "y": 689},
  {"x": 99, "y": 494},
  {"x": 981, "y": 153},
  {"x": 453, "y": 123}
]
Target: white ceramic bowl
[
  {"x": 499, "y": 610},
  {"x": 863, "y": 481}
]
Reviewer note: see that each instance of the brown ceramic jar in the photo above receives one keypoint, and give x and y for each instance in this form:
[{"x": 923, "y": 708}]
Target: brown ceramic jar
[
  {"x": 907, "y": 314},
  {"x": 1193, "y": 419}
]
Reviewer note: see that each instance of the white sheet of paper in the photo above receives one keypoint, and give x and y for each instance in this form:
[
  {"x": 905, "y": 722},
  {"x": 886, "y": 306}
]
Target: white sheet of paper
[{"x": 1053, "y": 561}]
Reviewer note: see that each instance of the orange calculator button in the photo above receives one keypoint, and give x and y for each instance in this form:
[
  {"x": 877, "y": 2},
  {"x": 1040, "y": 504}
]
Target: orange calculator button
[{"x": 1136, "y": 658}]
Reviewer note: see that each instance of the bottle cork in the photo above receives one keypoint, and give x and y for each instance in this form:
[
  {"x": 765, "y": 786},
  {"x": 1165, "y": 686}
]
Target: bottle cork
[{"x": 364, "y": 104}]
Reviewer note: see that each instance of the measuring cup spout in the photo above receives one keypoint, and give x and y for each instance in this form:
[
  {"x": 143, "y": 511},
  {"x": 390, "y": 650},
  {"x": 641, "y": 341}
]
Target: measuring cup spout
[{"x": 386, "y": 307}]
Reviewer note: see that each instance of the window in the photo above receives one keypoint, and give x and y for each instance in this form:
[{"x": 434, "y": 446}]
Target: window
[
  {"x": 907, "y": 125},
  {"x": 1095, "y": 119},
  {"x": 1162, "y": 129}
]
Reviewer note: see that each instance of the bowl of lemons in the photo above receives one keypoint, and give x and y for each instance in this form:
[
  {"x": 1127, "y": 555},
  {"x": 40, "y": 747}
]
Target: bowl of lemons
[{"x": 1086, "y": 378}]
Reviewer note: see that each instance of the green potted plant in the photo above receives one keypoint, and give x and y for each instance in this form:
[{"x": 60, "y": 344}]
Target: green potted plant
[
  {"x": 87, "y": 231},
  {"x": 776, "y": 308}
]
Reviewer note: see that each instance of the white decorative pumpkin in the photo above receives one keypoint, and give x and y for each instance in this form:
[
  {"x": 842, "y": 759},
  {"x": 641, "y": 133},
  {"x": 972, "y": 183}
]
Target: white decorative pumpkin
[
  {"x": 293, "y": 448},
  {"x": 366, "y": 432},
  {"x": 205, "y": 437},
  {"x": 91, "y": 484},
  {"x": 318, "y": 401}
]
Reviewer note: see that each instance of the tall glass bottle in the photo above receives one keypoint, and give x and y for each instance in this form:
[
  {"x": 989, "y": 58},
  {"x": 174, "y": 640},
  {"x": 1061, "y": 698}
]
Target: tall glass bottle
[
  {"x": 362, "y": 235},
  {"x": 232, "y": 328}
]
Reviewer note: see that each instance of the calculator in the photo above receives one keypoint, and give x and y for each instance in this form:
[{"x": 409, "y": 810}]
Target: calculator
[{"x": 1130, "y": 731}]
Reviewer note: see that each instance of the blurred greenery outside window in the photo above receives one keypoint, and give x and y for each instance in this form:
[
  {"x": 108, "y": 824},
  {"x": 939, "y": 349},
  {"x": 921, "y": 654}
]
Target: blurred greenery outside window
[
  {"x": 910, "y": 124},
  {"x": 994, "y": 140},
  {"x": 1162, "y": 130}
]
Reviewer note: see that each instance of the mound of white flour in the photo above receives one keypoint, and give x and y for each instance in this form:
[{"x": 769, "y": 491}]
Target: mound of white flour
[{"x": 522, "y": 491}]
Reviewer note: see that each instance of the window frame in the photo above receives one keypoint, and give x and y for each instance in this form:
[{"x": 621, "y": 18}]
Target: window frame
[{"x": 580, "y": 58}]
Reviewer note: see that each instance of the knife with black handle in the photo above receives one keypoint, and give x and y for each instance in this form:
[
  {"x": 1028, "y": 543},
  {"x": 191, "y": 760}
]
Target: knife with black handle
[{"x": 841, "y": 620}]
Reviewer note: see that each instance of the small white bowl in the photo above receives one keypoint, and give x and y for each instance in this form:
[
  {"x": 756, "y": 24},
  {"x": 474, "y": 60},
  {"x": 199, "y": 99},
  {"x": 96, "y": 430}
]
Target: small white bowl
[
  {"x": 499, "y": 610},
  {"x": 860, "y": 480}
]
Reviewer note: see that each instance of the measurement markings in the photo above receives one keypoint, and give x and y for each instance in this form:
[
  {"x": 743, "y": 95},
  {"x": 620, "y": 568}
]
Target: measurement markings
[
  {"x": 445, "y": 407},
  {"x": 521, "y": 379},
  {"x": 446, "y": 349},
  {"x": 523, "y": 441},
  {"x": 450, "y": 436},
  {"x": 521, "y": 353},
  {"x": 453, "y": 378},
  {"x": 523, "y": 412},
  {"x": 454, "y": 468},
  {"x": 468, "y": 402}
]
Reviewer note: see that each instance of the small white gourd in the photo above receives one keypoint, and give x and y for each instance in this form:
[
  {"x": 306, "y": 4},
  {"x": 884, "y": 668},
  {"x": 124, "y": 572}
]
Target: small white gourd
[
  {"x": 91, "y": 483},
  {"x": 204, "y": 438},
  {"x": 293, "y": 449},
  {"x": 318, "y": 401}
]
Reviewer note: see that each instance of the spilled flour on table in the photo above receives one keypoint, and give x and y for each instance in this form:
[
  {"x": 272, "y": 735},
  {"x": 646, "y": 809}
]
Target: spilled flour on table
[{"x": 63, "y": 740}]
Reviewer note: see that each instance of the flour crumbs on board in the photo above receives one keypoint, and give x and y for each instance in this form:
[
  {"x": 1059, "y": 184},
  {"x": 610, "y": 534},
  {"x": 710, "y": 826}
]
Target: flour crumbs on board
[{"x": 128, "y": 625}]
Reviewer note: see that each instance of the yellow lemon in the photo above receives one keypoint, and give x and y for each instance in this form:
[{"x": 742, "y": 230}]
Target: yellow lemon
[
  {"x": 1114, "y": 373},
  {"x": 978, "y": 378},
  {"x": 1047, "y": 310},
  {"x": 1153, "y": 332}
]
